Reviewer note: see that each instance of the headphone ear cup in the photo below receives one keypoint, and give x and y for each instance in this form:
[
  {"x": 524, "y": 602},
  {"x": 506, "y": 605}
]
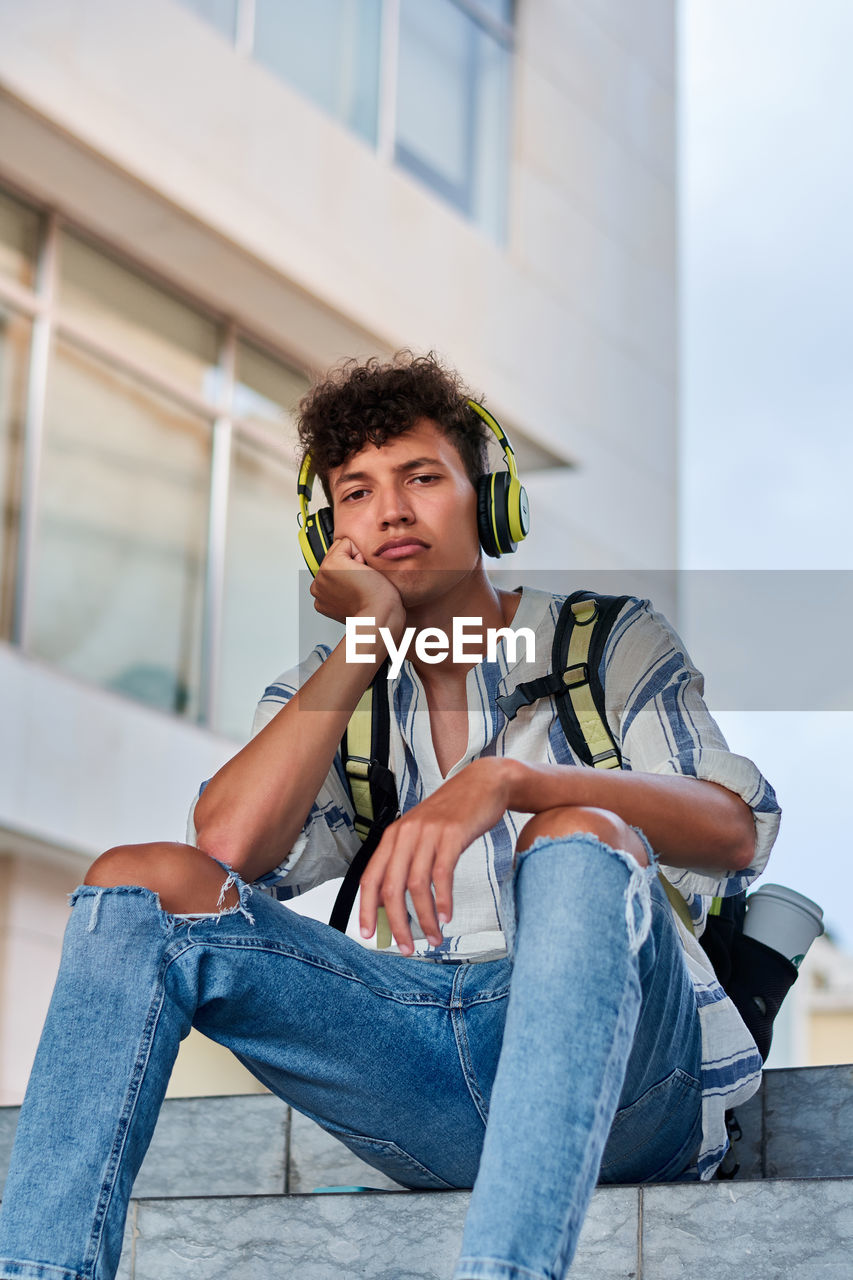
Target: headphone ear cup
[
  {"x": 492, "y": 513},
  {"x": 502, "y": 513},
  {"x": 326, "y": 521},
  {"x": 316, "y": 536},
  {"x": 518, "y": 512},
  {"x": 484, "y": 515}
]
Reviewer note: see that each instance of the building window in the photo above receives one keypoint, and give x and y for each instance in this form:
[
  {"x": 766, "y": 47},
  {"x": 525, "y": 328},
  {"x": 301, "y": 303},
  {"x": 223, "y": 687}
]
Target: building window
[
  {"x": 260, "y": 613},
  {"x": 147, "y": 481},
  {"x": 452, "y": 105},
  {"x": 120, "y": 549},
  {"x": 122, "y": 310},
  {"x": 19, "y": 230},
  {"x": 328, "y": 50},
  {"x": 221, "y": 14},
  {"x": 15, "y": 333},
  {"x": 259, "y": 610},
  {"x": 427, "y": 82}
]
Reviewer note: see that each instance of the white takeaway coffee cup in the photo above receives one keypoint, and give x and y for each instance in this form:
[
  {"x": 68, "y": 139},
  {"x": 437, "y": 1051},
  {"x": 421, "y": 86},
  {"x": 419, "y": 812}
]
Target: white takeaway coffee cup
[{"x": 784, "y": 920}]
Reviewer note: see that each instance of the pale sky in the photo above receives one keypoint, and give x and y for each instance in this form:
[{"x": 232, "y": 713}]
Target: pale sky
[{"x": 767, "y": 376}]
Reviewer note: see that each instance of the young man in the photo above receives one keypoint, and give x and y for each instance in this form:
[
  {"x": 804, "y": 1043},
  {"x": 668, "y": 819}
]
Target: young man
[{"x": 543, "y": 1020}]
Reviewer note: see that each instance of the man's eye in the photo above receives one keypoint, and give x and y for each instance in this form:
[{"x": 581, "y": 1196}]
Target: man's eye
[
  {"x": 356, "y": 493},
  {"x": 425, "y": 479}
]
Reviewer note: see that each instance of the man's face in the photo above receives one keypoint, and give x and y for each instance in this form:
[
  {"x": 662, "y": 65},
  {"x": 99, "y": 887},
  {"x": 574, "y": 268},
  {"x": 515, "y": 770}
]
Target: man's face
[{"x": 411, "y": 511}]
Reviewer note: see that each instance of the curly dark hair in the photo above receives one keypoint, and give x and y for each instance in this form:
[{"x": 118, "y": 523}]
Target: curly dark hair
[{"x": 371, "y": 402}]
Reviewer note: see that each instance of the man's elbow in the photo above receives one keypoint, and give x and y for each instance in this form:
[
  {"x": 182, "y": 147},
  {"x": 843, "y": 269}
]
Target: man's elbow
[
  {"x": 218, "y": 840},
  {"x": 741, "y": 844}
]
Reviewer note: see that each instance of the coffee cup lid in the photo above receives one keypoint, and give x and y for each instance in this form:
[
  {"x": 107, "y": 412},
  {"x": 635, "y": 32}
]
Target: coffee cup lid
[{"x": 790, "y": 896}]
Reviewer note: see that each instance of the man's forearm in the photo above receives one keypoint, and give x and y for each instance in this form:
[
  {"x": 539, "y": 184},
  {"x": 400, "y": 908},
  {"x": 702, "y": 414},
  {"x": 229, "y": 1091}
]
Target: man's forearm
[
  {"x": 252, "y": 810},
  {"x": 689, "y": 822}
]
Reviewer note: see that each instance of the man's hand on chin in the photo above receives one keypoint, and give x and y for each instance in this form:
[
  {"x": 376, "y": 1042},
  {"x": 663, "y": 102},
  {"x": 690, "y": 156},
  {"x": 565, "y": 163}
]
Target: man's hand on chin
[{"x": 347, "y": 587}]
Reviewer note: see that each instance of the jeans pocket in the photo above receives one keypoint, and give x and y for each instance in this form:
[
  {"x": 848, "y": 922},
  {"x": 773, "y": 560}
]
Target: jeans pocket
[
  {"x": 655, "y": 1138},
  {"x": 391, "y": 1160}
]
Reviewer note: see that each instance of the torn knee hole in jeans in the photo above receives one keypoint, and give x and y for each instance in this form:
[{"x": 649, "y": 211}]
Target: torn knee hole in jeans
[{"x": 244, "y": 891}]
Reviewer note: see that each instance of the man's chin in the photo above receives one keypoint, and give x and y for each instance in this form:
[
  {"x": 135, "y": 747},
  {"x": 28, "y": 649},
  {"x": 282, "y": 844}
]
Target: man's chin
[{"x": 419, "y": 586}]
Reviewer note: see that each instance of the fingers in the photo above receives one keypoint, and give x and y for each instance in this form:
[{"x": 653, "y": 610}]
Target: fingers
[
  {"x": 406, "y": 861},
  {"x": 420, "y": 881},
  {"x": 347, "y": 548}
]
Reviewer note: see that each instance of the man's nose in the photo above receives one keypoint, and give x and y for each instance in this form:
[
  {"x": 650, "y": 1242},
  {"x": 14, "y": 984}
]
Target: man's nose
[{"x": 394, "y": 507}]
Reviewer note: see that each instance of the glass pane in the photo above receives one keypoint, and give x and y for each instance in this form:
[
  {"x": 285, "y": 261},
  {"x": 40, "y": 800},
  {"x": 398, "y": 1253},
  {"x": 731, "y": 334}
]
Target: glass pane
[
  {"x": 134, "y": 315},
  {"x": 14, "y": 360},
  {"x": 120, "y": 551},
  {"x": 260, "y": 616},
  {"x": 222, "y": 14},
  {"x": 328, "y": 50},
  {"x": 267, "y": 391},
  {"x": 19, "y": 229},
  {"x": 452, "y": 109},
  {"x": 500, "y": 9}
]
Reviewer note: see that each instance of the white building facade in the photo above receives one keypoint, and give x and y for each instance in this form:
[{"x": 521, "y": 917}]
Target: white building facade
[{"x": 203, "y": 204}]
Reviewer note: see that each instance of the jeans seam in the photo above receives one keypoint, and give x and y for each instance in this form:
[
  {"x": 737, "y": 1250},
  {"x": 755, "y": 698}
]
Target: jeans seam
[
  {"x": 292, "y": 953},
  {"x": 569, "y": 1243},
  {"x": 507, "y": 1270},
  {"x": 460, "y": 1033},
  {"x": 388, "y": 1145},
  {"x": 123, "y": 1128},
  {"x": 39, "y": 1270},
  {"x": 687, "y": 1082}
]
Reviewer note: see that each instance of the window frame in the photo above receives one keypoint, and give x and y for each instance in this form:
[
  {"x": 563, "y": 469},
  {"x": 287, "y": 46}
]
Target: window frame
[{"x": 41, "y": 306}]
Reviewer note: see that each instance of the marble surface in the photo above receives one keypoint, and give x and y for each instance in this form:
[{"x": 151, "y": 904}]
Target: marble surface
[
  {"x": 607, "y": 1249},
  {"x": 808, "y": 1123},
  {"x": 749, "y": 1150},
  {"x": 203, "y": 1147},
  {"x": 319, "y": 1160},
  {"x": 387, "y": 1236},
  {"x": 402, "y": 1236},
  {"x": 760, "y": 1230},
  {"x": 8, "y": 1125},
  {"x": 217, "y": 1146}
]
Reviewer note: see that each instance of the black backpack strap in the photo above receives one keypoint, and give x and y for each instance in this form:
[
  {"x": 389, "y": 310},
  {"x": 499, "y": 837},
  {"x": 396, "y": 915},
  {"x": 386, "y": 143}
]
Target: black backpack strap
[{"x": 365, "y": 751}]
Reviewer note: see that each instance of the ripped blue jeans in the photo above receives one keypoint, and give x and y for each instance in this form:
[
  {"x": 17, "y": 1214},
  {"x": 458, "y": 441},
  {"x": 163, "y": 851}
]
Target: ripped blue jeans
[{"x": 575, "y": 1059}]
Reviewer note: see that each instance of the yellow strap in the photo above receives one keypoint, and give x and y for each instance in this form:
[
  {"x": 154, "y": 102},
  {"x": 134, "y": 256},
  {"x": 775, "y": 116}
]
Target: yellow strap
[
  {"x": 678, "y": 904},
  {"x": 357, "y": 764},
  {"x": 595, "y": 732},
  {"x": 359, "y": 732}
]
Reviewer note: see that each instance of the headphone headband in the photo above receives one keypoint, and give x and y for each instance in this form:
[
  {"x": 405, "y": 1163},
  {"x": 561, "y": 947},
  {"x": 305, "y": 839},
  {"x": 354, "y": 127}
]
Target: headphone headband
[{"x": 497, "y": 430}]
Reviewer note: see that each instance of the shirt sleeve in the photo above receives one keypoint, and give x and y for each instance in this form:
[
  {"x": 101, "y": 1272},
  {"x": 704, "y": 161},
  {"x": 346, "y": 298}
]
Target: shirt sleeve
[
  {"x": 328, "y": 841},
  {"x": 655, "y": 703}
]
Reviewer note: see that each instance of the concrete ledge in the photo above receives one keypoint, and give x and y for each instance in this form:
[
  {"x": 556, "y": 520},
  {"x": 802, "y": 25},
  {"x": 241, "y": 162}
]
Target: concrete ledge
[
  {"x": 767, "y": 1231},
  {"x": 799, "y": 1125},
  {"x": 391, "y": 1236}
]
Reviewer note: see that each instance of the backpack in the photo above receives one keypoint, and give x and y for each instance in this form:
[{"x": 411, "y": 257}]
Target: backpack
[{"x": 753, "y": 975}]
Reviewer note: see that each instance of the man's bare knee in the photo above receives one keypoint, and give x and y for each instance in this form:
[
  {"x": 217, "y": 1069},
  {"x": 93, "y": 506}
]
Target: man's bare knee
[
  {"x": 184, "y": 878},
  {"x": 570, "y": 820}
]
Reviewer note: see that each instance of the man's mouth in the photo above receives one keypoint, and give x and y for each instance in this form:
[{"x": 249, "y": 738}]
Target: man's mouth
[{"x": 399, "y": 548}]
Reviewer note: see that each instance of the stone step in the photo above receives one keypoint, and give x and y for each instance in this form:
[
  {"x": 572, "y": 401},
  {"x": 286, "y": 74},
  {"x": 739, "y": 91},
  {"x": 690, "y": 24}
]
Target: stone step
[
  {"x": 770, "y": 1230},
  {"x": 799, "y": 1125}
]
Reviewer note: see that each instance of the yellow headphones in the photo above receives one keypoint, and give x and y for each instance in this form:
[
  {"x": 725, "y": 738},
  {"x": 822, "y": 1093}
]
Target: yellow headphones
[{"x": 503, "y": 513}]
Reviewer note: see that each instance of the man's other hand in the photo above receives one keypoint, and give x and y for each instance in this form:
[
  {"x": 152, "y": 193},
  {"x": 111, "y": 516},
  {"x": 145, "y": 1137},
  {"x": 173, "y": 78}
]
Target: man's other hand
[{"x": 420, "y": 851}]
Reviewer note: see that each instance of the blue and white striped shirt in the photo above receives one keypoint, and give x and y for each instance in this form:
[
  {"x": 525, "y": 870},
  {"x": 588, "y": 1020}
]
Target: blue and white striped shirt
[{"x": 657, "y": 715}]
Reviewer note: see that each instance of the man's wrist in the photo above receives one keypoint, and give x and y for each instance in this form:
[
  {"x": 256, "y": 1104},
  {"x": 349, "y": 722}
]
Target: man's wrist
[{"x": 515, "y": 780}]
